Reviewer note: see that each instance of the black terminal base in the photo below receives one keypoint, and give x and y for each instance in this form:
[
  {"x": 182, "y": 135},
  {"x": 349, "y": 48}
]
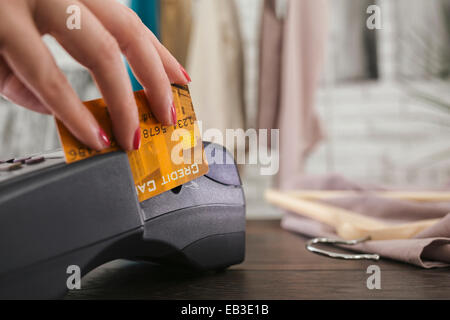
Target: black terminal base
[{"x": 54, "y": 215}]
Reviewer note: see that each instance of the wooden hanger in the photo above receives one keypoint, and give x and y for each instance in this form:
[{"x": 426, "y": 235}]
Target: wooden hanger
[
  {"x": 419, "y": 196},
  {"x": 349, "y": 224}
]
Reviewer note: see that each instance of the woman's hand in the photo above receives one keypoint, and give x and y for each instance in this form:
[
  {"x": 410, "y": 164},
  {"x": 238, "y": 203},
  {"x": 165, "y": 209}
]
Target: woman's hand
[{"x": 30, "y": 77}]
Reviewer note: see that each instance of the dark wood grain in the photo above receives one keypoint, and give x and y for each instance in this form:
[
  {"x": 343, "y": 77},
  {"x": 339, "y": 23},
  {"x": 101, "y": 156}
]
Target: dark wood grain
[{"x": 276, "y": 267}]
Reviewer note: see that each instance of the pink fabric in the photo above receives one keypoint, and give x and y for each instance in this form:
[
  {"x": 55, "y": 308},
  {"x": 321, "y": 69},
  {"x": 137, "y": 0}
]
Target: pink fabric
[
  {"x": 430, "y": 248},
  {"x": 270, "y": 67},
  {"x": 292, "y": 52}
]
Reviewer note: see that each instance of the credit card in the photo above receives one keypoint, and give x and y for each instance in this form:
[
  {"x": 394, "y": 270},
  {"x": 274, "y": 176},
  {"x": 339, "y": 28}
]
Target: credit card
[{"x": 169, "y": 156}]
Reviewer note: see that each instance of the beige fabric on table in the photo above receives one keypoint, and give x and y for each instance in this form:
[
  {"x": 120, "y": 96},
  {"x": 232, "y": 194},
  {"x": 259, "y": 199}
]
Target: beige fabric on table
[
  {"x": 291, "y": 57},
  {"x": 430, "y": 248},
  {"x": 175, "y": 27},
  {"x": 215, "y": 64}
]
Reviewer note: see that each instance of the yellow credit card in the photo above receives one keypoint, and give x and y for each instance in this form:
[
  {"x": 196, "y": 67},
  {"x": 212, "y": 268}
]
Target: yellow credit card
[{"x": 169, "y": 155}]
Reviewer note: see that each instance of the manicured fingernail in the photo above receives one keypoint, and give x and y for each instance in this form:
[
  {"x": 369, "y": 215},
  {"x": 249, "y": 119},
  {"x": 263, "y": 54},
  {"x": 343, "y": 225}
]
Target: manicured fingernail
[
  {"x": 104, "y": 138},
  {"x": 185, "y": 73},
  {"x": 137, "y": 139},
  {"x": 174, "y": 114}
]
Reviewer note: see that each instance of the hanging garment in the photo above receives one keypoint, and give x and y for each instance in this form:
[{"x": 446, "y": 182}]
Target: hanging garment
[
  {"x": 271, "y": 45},
  {"x": 175, "y": 28},
  {"x": 353, "y": 52},
  {"x": 286, "y": 97},
  {"x": 422, "y": 39},
  {"x": 148, "y": 11},
  {"x": 429, "y": 248},
  {"x": 215, "y": 64}
]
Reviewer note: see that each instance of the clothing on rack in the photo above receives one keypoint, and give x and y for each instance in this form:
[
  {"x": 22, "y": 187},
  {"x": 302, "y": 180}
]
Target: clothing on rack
[
  {"x": 290, "y": 62},
  {"x": 215, "y": 64},
  {"x": 175, "y": 28},
  {"x": 422, "y": 39},
  {"x": 353, "y": 51},
  {"x": 271, "y": 44},
  {"x": 148, "y": 11}
]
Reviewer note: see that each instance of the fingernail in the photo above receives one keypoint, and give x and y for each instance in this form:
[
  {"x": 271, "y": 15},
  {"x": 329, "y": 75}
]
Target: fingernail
[
  {"x": 174, "y": 114},
  {"x": 104, "y": 138},
  {"x": 137, "y": 139},
  {"x": 185, "y": 73}
]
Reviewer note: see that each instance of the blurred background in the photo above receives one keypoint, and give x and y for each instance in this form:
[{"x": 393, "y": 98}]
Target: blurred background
[{"x": 379, "y": 114}]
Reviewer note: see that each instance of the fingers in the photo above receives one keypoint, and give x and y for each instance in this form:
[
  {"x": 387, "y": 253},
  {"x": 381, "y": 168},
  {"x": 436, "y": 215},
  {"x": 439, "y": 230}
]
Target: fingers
[
  {"x": 94, "y": 47},
  {"x": 175, "y": 71},
  {"x": 32, "y": 63},
  {"x": 31, "y": 77},
  {"x": 15, "y": 91},
  {"x": 152, "y": 64},
  {"x": 126, "y": 26}
]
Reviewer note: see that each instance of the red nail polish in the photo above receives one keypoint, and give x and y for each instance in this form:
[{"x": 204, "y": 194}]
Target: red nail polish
[
  {"x": 104, "y": 138},
  {"x": 174, "y": 114},
  {"x": 185, "y": 73},
  {"x": 137, "y": 139}
]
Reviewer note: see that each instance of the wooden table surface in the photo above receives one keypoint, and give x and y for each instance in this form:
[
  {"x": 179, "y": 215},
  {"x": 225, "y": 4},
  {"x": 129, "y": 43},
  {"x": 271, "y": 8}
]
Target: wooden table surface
[{"x": 277, "y": 266}]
